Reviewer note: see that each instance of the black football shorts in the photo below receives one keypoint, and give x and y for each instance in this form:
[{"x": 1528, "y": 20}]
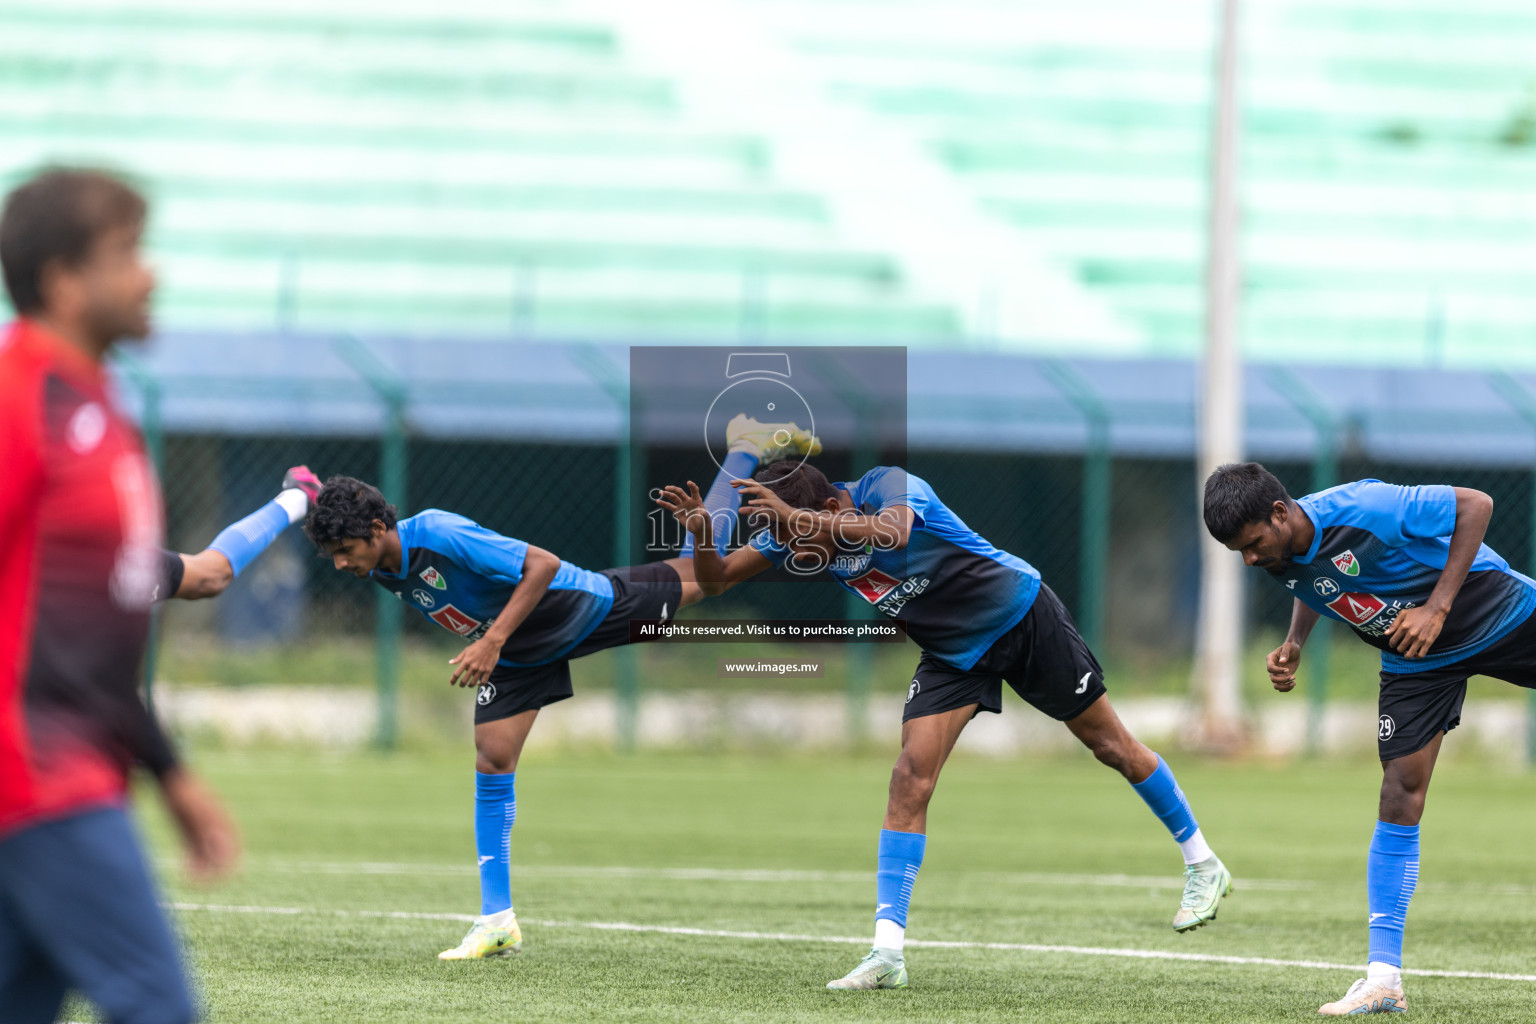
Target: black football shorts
[
  {"x": 649, "y": 592},
  {"x": 1413, "y": 708},
  {"x": 1043, "y": 658}
]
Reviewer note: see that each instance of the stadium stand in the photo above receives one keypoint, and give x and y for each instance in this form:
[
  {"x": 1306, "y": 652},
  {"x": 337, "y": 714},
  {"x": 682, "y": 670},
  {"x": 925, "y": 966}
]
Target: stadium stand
[
  {"x": 517, "y": 168},
  {"x": 1389, "y": 153}
]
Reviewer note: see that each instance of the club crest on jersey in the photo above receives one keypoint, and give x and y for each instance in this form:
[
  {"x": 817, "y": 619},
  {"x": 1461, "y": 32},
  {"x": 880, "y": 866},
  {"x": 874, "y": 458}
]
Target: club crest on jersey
[
  {"x": 450, "y": 618},
  {"x": 873, "y": 585},
  {"x": 1357, "y": 609},
  {"x": 434, "y": 578},
  {"x": 1347, "y": 563}
]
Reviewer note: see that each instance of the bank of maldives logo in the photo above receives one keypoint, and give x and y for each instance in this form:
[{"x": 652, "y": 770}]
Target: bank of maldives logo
[
  {"x": 1357, "y": 609},
  {"x": 1347, "y": 563}
]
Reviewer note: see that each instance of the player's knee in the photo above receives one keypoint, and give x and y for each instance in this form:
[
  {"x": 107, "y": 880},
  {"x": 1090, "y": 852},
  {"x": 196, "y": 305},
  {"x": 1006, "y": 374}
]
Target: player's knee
[
  {"x": 1110, "y": 750},
  {"x": 493, "y": 758},
  {"x": 912, "y": 783},
  {"x": 1402, "y": 798},
  {"x": 494, "y": 762}
]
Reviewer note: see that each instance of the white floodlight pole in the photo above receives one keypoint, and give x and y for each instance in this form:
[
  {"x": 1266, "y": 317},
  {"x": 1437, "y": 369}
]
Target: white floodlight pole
[{"x": 1218, "y": 638}]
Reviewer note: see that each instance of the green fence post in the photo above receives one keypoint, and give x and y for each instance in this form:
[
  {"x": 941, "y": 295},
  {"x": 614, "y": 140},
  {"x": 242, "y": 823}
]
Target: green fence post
[
  {"x": 629, "y": 467},
  {"x": 1325, "y": 472},
  {"x": 149, "y": 388},
  {"x": 1098, "y": 485},
  {"x": 394, "y": 472},
  {"x": 1524, "y": 403}
]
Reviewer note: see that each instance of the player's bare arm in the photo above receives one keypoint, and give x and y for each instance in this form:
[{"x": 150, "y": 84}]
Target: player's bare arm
[
  {"x": 1415, "y": 630},
  {"x": 713, "y": 574},
  {"x": 205, "y": 574},
  {"x": 477, "y": 661},
  {"x": 1283, "y": 660},
  {"x": 890, "y": 530},
  {"x": 207, "y": 832}
]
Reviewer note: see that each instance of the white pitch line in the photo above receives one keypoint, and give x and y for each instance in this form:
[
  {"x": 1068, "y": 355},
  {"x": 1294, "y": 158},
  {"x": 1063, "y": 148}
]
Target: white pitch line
[
  {"x": 1170, "y": 881},
  {"x": 1020, "y": 947}
]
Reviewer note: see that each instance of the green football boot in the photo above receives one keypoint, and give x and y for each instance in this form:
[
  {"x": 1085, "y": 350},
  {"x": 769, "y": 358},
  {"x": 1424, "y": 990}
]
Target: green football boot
[
  {"x": 1205, "y": 885},
  {"x": 877, "y": 970}
]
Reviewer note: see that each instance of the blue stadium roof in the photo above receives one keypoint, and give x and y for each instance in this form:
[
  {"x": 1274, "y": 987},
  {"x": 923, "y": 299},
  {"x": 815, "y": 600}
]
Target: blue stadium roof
[{"x": 576, "y": 392}]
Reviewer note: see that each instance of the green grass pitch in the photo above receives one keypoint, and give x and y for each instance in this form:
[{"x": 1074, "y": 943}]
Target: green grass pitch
[{"x": 1043, "y": 853}]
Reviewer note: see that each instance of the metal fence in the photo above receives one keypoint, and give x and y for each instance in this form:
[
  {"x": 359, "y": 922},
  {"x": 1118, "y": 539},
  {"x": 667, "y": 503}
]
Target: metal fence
[{"x": 1116, "y": 535}]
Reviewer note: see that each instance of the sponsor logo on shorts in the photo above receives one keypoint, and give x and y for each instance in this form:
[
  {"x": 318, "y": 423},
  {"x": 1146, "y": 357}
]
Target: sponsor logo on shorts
[
  {"x": 423, "y": 597},
  {"x": 1347, "y": 563},
  {"x": 1325, "y": 587},
  {"x": 1357, "y": 609},
  {"x": 434, "y": 578},
  {"x": 486, "y": 695},
  {"x": 913, "y": 690},
  {"x": 1385, "y": 728},
  {"x": 1082, "y": 684},
  {"x": 450, "y": 618}
]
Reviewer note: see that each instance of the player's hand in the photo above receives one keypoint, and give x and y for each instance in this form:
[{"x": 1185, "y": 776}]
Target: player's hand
[
  {"x": 1281, "y": 663},
  {"x": 687, "y": 507},
  {"x": 758, "y": 499},
  {"x": 212, "y": 843},
  {"x": 475, "y": 662},
  {"x": 1414, "y": 631}
]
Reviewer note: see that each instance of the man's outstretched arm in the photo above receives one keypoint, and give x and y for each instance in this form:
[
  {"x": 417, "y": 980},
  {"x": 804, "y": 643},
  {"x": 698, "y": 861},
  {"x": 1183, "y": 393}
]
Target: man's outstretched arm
[{"x": 210, "y": 571}]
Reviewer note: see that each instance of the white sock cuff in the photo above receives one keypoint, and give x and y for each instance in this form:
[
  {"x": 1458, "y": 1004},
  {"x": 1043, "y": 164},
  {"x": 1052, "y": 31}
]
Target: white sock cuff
[
  {"x": 295, "y": 502},
  {"x": 889, "y": 934},
  {"x": 1195, "y": 849},
  {"x": 1376, "y": 970}
]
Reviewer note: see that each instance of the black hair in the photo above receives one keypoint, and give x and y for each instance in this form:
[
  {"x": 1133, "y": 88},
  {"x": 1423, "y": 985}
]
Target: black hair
[
  {"x": 1237, "y": 494},
  {"x": 57, "y": 217},
  {"x": 346, "y": 508},
  {"x": 798, "y": 484}
]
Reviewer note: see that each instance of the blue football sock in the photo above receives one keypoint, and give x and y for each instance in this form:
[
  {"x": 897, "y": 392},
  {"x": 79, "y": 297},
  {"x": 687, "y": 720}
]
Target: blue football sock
[
  {"x": 722, "y": 502},
  {"x": 243, "y": 541},
  {"x": 901, "y": 854},
  {"x": 1162, "y": 793},
  {"x": 495, "y": 811},
  {"x": 1391, "y": 873}
]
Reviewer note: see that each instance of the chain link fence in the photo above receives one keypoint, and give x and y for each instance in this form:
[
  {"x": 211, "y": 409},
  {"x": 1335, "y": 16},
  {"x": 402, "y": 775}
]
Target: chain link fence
[{"x": 1115, "y": 535}]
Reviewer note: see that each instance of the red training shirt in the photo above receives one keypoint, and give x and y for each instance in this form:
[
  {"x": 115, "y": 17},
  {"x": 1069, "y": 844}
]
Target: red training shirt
[{"x": 80, "y": 533}]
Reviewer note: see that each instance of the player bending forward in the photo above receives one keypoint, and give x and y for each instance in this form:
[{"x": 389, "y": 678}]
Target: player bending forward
[
  {"x": 526, "y": 614},
  {"x": 981, "y": 616},
  {"x": 1406, "y": 568}
]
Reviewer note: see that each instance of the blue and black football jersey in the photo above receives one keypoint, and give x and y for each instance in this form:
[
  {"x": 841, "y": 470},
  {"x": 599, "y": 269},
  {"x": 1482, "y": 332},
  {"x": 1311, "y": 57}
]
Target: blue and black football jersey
[
  {"x": 461, "y": 575},
  {"x": 1379, "y": 549},
  {"x": 956, "y": 593}
]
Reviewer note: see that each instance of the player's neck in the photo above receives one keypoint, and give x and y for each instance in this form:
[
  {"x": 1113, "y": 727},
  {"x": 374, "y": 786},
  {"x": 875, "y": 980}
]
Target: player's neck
[
  {"x": 390, "y": 557},
  {"x": 1303, "y": 532},
  {"x": 74, "y": 335}
]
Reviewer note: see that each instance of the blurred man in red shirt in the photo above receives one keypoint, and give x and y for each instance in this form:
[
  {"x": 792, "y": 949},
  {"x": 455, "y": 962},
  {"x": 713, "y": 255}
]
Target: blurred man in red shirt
[{"x": 80, "y": 564}]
